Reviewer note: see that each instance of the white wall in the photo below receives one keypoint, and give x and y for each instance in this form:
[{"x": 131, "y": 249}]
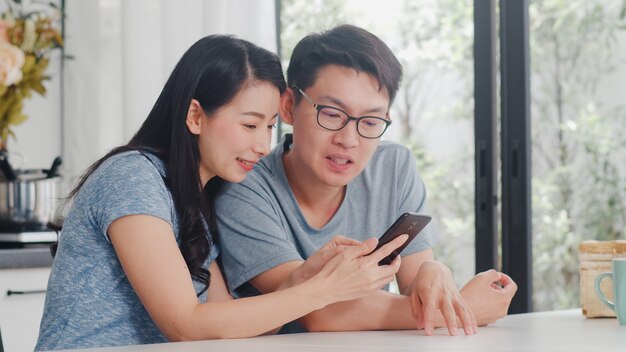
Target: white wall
[
  {"x": 123, "y": 52},
  {"x": 38, "y": 139}
]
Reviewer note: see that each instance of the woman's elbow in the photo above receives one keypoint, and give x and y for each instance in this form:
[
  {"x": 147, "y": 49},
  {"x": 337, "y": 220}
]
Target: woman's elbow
[
  {"x": 182, "y": 332},
  {"x": 181, "y": 335}
]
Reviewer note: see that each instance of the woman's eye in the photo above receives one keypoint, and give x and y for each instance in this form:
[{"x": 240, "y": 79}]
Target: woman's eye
[
  {"x": 250, "y": 126},
  {"x": 271, "y": 127}
]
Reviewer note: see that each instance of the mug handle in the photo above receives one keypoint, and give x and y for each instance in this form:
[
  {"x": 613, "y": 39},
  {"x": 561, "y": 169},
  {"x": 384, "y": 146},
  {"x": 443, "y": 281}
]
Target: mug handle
[{"x": 599, "y": 292}]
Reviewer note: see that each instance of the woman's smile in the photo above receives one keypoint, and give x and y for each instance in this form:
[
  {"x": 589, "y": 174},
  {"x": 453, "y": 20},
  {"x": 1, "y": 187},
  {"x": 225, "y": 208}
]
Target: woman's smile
[{"x": 246, "y": 164}]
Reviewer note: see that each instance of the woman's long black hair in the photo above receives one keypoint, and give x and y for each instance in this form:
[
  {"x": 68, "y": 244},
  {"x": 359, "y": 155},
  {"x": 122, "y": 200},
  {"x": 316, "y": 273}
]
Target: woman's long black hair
[{"x": 212, "y": 72}]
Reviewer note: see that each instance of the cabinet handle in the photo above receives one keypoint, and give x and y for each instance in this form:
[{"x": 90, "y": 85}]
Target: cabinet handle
[{"x": 26, "y": 292}]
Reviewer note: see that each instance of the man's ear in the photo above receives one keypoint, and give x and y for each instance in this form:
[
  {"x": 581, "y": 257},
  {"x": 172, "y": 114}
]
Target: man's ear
[
  {"x": 194, "y": 117},
  {"x": 287, "y": 104}
]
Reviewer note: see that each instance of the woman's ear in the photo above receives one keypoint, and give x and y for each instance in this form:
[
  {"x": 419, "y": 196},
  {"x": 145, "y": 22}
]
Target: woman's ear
[
  {"x": 194, "y": 117},
  {"x": 287, "y": 103}
]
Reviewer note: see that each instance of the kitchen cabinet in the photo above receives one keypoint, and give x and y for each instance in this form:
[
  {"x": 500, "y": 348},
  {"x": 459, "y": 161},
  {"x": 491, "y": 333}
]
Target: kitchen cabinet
[{"x": 21, "y": 313}]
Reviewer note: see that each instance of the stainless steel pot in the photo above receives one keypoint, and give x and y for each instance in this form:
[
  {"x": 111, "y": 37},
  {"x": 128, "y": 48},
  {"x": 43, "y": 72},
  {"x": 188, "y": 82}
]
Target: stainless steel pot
[{"x": 29, "y": 202}]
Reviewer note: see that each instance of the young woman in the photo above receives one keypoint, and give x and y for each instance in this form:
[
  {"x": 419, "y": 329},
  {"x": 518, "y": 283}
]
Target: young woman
[{"x": 136, "y": 258}]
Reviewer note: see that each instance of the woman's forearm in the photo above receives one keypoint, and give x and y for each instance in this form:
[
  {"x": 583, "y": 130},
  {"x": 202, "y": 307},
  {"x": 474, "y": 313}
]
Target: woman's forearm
[{"x": 253, "y": 316}]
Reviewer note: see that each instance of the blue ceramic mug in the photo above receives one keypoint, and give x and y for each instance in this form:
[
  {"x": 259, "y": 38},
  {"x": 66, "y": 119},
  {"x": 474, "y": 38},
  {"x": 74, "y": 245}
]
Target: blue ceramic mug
[{"x": 618, "y": 275}]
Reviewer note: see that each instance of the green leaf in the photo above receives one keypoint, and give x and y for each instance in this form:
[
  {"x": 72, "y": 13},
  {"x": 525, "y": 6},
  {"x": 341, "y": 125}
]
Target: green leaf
[
  {"x": 17, "y": 118},
  {"x": 39, "y": 88},
  {"x": 29, "y": 63}
]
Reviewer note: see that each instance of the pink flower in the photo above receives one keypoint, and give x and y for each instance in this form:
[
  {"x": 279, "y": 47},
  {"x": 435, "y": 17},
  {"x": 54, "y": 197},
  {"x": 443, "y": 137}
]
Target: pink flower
[
  {"x": 11, "y": 62},
  {"x": 4, "y": 31}
]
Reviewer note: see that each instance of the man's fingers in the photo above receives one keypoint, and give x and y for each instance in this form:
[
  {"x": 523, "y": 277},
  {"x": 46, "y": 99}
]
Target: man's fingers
[
  {"x": 466, "y": 318},
  {"x": 504, "y": 283},
  {"x": 473, "y": 326},
  {"x": 450, "y": 317},
  {"x": 417, "y": 310},
  {"x": 429, "y": 318},
  {"x": 496, "y": 285},
  {"x": 506, "y": 280},
  {"x": 491, "y": 275},
  {"x": 510, "y": 288}
]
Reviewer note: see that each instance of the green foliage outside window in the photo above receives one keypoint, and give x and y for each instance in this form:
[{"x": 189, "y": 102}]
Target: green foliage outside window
[
  {"x": 579, "y": 184},
  {"x": 578, "y": 144}
]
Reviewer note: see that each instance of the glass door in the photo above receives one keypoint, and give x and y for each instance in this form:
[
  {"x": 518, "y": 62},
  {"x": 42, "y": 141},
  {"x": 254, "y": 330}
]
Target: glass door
[{"x": 578, "y": 53}]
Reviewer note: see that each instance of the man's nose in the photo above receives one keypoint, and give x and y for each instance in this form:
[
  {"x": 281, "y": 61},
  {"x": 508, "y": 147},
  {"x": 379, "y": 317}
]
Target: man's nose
[{"x": 348, "y": 136}]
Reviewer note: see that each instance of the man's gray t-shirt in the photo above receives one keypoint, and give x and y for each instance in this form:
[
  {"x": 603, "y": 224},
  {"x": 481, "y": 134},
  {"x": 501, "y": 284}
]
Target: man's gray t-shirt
[
  {"x": 89, "y": 301},
  {"x": 261, "y": 226}
]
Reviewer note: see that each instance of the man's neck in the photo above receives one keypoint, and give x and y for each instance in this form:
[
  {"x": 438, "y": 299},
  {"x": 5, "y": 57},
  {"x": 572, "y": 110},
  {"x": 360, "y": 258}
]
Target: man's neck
[{"x": 318, "y": 202}]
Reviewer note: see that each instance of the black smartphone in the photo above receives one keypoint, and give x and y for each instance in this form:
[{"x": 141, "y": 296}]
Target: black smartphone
[{"x": 409, "y": 223}]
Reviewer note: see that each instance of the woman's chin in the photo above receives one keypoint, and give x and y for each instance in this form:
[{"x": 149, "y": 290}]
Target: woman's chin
[{"x": 233, "y": 177}]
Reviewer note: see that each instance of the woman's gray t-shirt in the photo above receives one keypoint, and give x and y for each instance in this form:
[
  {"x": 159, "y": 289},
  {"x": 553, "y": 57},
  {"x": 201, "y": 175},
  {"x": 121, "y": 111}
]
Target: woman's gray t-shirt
[{"x": 89, "y": 301}]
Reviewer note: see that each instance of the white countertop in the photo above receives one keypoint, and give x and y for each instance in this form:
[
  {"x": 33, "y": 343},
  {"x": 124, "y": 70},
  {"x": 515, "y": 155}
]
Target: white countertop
[
  {"x": 553, "y": 331},
  {"x": 35, "y": 256}
]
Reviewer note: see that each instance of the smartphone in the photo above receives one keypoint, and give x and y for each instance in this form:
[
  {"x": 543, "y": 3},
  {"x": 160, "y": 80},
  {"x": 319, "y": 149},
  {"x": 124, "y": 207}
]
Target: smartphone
[{"x": 408, "y": 223}]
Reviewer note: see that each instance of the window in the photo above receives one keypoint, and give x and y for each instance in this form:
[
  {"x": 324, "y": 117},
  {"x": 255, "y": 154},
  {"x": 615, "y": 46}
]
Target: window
[{"x": 578, "y": 146}]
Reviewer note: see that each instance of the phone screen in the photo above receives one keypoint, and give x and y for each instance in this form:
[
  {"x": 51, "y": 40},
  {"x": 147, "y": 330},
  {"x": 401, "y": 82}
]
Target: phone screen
[{"x": 408, "y": 223}]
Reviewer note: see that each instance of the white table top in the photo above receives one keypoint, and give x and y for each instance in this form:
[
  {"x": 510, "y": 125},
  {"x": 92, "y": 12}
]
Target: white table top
[{"x": 553, "y": 331}]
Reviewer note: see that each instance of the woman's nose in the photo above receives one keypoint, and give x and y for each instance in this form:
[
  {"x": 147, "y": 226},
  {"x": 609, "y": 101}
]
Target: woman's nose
[{"x": 262, "y": 144}]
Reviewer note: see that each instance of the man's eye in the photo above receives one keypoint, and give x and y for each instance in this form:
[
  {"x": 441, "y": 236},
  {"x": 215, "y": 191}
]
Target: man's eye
[
  {"x": 250, "y": 126},
  {"x": 331, "y": 114}
]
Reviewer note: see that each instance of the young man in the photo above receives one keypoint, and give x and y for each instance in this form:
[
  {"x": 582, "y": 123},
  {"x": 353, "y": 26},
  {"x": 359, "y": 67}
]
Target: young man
[{"x": 334, "y": 176}]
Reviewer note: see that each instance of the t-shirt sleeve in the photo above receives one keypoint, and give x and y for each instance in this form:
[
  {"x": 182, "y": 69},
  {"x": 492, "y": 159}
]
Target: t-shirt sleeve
[
  {"x": 251, "y": 235},
  {"x": 127, "y": 184},
  {"x": 413, "y": 199}
]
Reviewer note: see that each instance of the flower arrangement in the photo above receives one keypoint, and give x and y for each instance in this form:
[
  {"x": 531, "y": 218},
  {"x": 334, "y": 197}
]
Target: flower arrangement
[{"x": 28, "y": 34}]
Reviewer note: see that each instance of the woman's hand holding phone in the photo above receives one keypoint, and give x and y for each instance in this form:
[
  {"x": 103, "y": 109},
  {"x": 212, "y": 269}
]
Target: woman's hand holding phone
[
  {"x": 352, "y": 273},
  {"x": 313, "y": 264},
  {"x": 408, "y": 223}
]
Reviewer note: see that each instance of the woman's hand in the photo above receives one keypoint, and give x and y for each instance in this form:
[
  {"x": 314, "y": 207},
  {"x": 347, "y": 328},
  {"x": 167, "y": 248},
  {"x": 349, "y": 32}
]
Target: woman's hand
[
  {"x": 313, "y": 264},
  {"x": 354, "y": 271},
  {"x": 434, "y": 289}
]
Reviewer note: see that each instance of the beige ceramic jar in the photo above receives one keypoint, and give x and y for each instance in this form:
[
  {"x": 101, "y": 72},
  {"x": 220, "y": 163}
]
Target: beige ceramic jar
[{"x": 595, "y": 258}]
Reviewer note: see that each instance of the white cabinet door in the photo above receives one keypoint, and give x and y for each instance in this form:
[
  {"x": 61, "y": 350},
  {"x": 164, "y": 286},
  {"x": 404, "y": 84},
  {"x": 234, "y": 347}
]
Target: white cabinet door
[{"x": 20, "y": 314}]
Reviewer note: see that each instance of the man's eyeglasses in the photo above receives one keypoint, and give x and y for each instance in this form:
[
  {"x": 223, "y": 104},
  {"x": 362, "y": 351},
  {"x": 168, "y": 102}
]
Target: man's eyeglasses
[{"x": 334, "y": 119}]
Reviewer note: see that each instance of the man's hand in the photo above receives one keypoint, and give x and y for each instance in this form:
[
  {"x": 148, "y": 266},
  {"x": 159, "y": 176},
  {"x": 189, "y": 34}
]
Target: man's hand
[
  {"x": 433, "y": 289},
  {"x": 489, "y": 294}
]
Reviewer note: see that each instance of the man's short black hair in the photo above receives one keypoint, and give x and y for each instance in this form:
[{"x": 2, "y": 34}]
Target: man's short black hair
[{"x": 347, "y": 46}]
